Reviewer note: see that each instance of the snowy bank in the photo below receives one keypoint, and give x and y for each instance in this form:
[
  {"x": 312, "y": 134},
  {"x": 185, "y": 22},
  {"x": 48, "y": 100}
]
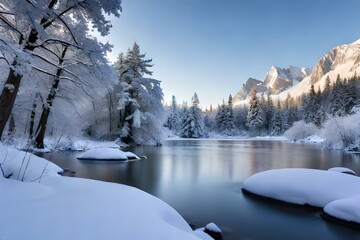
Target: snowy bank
[
  {"x": 333, "y": 190},
  {"x": 103, "y": 154},
  {"x": 56, "y": 207}
]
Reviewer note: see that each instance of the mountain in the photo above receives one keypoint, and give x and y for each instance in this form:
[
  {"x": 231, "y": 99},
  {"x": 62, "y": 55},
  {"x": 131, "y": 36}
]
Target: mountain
[
  {"x": 279, "y": 79},
  {"x": 276, "y": 81},
  {"x": 246, "y": 88},
  {"x": 343, "y": 60}
]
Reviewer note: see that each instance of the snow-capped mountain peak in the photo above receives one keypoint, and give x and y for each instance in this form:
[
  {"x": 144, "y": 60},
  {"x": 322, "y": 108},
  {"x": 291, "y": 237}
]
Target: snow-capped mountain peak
[
  {"x": 343, "y": 60},
  {"x": 276, "y": 80}
]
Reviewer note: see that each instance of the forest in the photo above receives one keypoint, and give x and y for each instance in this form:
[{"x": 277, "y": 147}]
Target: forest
[
  {"x": 330, "y": 113},
  {"x": 58, "y": 86}
]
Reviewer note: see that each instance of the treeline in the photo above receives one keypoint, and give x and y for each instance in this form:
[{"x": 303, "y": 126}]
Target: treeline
[{"x": 261, "y": 116}]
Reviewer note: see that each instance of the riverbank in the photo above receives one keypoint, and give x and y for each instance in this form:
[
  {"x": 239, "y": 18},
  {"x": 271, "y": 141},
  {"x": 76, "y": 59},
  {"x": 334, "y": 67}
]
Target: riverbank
[{"x": 45, "y": 205}]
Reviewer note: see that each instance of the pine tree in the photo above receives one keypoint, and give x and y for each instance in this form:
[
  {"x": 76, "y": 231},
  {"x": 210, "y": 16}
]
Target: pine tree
[
  {"x": 229, "y": 119},
  {"x": 337, "y": 101},
  {"x": 220, "y": 118},
  {"x": 326, "y": 94},
  {"x": 240, "y": 115},
  {"x": 276, "y": 122},
  {"x": 192, "y": 124},
  {"x": 140, "y": 99},
  {"x": 254, "y": 118},
  {"x": 174, "y": 117},
  {"x": 311, "y": 106}
]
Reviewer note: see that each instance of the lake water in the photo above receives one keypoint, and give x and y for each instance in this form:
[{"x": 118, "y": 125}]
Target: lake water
[{"x": 202, "y": 180}]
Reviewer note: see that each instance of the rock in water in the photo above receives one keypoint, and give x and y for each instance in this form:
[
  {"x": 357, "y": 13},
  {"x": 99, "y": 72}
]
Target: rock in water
[{"x": 214, "y": 231}]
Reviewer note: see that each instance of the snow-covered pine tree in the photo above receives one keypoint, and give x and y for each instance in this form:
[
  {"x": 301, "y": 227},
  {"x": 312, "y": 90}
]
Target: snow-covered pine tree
[
  {"x": 140, "y": 98},
  {"x": 337, "y": 101},
  {"x": 269, "y": 112},
  {"x": 173, "y": 120},
  {"x": 276, "y": 123},
  {"x": 229, "y": 127},
  {"x": 254, "y": 118},
  {"x": 311, "y": 107},
  {"x": 192, "y": 124},
  {"x": 240, "y": 116},
  {"x": 220, "y": 118}
]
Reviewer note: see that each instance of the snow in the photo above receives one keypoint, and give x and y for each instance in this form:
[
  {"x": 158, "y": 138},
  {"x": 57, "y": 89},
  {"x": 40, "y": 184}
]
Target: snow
[
  {"x": 202, "y": 235},
  {"x": 57, "y": 207},
  {"x": 213, "y": 227},
  {"x": 342, "y": 170},
  {"x": 24, "y": 165},
  {"x": 346, "y": 209},
  {"x": 131, "y": 155},
  {"x": 336, "y": 192},
  {"x": 83, "y": 145},
  {"x": 10, "y": 87},
  {"x": 104, "y": 154}
]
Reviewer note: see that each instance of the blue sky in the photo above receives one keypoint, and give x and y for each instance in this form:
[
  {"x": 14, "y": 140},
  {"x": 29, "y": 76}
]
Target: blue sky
[{"x": 213, "y": 46}]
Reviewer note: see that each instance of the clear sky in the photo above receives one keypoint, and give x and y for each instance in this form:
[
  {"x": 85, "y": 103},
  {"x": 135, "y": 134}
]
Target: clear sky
[{"x": 213, "y": 46}]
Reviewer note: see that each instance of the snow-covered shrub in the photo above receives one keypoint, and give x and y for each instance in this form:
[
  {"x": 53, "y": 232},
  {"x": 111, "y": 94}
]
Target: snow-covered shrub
[
  {"x": 342, "y": 132},
  {"x": 301, "y": 130}
]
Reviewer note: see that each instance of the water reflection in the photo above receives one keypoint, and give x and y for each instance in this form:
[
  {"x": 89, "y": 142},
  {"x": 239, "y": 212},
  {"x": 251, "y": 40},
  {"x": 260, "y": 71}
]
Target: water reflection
[{"x": 202, "y": 180}]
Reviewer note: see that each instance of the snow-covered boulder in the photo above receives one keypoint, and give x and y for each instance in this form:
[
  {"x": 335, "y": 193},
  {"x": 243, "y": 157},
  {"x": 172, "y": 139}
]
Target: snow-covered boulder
[
  {"x": 210, "y": 231},
  {"x": 338, "y": 194},
  {"x": 131, "y": 155},
  {"x": 303, "y": 186},
  {"x": 104, "y": 154},
  {"x": 345, "y": 209}
]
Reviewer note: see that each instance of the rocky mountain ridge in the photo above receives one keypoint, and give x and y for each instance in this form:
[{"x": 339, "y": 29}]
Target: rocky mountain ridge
[
  {"x": 281, "y": 82},
  {"x": 276, "y": 81}
]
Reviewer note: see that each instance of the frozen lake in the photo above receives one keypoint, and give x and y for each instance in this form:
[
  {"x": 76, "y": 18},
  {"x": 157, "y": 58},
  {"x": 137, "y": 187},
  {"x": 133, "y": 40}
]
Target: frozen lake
[{"x": 202, "y": 180}]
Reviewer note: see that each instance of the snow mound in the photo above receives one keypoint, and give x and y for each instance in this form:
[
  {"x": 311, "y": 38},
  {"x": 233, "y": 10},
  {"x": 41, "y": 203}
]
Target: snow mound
[
  {"x": 338, "y": 194},
  {"x": 89, "y": 209},
  {"x": 104, "y": 154},
  {"x": 303, "y": 186},
  {"x": 342, "y": 170},
  {"x": 25, "y": 166},
  {"x": 131, "y": 155},
  {"x": 346, "y": 209}
]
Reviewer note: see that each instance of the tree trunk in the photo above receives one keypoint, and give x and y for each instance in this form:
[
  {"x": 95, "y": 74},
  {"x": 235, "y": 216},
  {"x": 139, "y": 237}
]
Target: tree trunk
[
  {"x": 12, "y": 126},
  {"x": 8, "y": 97},
  {"x": 32, "y": 117},
  {"x": 41, "y": 129}
]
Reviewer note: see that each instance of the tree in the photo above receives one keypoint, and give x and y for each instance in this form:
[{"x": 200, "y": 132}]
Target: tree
[
  {"x": 276, "y": 122},
  {"x": 254, "y": 117},
  {"x": 192, "y": 122},
  {"x": 240, "y": 116},
  {"x": 311, "y": 107},
  {"x": 141, "y": 110},
  {"x": 220, "y": 118},
  {"x": 337, "y": 101},
  {"x": 174, "y": 116},
  {"x": 28, "y": 29},
  {"x": 229, "y": 118}
]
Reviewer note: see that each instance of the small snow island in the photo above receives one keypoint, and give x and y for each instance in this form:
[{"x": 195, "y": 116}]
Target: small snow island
[
  {"x": 336, "y": 191},
  {"x": 107, "y": 154}
]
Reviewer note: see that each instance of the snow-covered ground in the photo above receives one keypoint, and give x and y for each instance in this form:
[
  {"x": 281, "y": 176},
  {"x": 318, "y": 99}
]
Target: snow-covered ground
[
  {"x": 38, "y": 203},
  {"x": 337, "y": 192}
]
